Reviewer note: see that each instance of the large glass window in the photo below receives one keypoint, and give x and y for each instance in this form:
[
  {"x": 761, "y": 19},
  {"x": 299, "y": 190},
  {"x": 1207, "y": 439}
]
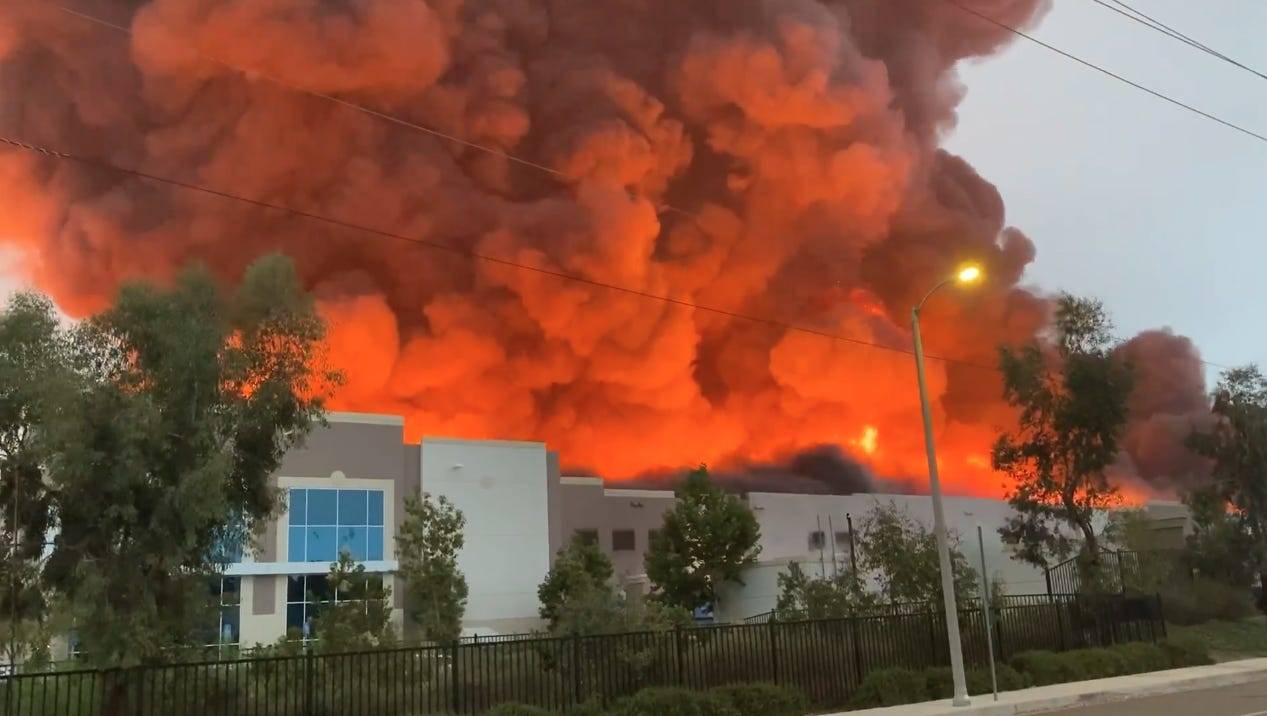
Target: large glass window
[
  {"x": 325, "y": 522},
  {"x": 307, "y": 594},
  {"x": 230, "y": 598}
]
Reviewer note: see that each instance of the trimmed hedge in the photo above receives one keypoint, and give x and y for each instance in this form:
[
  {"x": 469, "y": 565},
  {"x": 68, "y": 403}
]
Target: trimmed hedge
[
  {"x": 891, "y": 687},
  {"x": 516, "y": 710},
  {"x": 763, "y": 700},
  {"x": 1045, "y": 667},
  {"x": 673, "y": 702},
  {"x": 1185, "y": 652},
  {"x": 942, "y": 686}
]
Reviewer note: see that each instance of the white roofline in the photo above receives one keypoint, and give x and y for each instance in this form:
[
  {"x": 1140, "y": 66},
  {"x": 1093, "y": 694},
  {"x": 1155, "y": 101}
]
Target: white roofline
[
  {"x": 581, "y": 481},
  {"x": 643, "y": 494},
  {"x": 366, "y": 418},
  {"x": 490, "y": 443}
]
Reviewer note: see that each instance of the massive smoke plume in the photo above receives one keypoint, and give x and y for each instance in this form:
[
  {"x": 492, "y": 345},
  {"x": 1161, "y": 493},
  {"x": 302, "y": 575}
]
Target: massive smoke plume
[{"x": 774, "y": 157}]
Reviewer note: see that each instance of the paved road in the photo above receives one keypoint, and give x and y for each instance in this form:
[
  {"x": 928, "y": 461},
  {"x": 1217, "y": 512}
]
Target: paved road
[{"x": 1244, "y": 700}]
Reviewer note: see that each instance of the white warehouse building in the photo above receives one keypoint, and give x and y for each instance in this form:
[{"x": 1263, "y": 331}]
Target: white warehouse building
[{"x": 346, "y": 489}]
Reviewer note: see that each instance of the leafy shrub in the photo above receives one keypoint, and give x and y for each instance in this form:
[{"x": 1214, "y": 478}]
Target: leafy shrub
[
  {"x": 589, "y": 708},
  {"x": 941, "y": 684},
  {"x": 1095, "y": 663},
  {"x": 891, "y": 687},
  {"x": 763, "y": 700},
  {"x": 1206, "y": 600},
  {"x": 673, "y": 702},
  {"x": 1140, "y": 657},
  {"x": 1185, "y": 652},
  {"x": 1045, "y": 667},
  {"x": 516, "y": 710}
]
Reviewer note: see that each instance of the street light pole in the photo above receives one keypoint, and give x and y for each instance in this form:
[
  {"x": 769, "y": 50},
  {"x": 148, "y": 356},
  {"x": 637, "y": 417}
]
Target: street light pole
[{"x": 967, "y": 275}]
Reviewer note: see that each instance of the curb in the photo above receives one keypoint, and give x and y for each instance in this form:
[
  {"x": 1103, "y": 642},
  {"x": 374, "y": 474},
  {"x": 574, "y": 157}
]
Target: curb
[{"x": 1087, "y": 693}]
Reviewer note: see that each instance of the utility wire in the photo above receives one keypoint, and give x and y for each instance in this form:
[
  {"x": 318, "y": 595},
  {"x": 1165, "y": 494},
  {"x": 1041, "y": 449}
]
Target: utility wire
[
  {"x": 1091, "y": 65},
  {"x": 1142, "y": 18},
  {"x": 469, "y": 253}
]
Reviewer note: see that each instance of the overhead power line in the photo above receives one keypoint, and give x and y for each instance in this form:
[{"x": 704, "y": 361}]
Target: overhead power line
[
  {"x": 1091, "y": 65},
  {"x": 469, "y": 253},
  {"x": 1149, "y": 21}
]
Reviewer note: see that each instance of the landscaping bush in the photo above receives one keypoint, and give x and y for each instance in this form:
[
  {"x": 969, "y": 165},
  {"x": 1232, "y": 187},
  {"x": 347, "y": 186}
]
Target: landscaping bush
[
  {"x": 1206, "y": 600},
  {"x": 891, "y": 687},
  {"x": 516, "y": 710},
  {"x": 589, "y": 708},
  {"x": 941, "y": 685},
  {"x": 763, "y": 700},
  {"x": 1045, "y": 667},
  {"x": 1185, "y": 652},
  {"x": 1140, "y": 657},
  {"x": 1095, "y": 663},
  {"x": 672, "y": 702}
]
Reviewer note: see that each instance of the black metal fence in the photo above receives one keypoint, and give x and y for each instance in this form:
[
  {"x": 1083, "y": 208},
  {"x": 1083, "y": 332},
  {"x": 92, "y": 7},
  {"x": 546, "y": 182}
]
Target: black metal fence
[
  {"x": 1119, "y": 572},
  {"x": 826, "y": 659}
]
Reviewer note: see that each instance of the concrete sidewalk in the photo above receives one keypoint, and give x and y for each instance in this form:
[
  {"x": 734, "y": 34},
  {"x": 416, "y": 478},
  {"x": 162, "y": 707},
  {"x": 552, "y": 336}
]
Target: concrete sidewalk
[{"x": 1086, "y": 693}]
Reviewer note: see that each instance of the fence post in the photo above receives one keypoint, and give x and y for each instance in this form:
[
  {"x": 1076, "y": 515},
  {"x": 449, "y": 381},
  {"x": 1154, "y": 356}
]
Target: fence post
[
  {"x": 774, "y": 649},
  {"x": 1060, "y": 622},
  {"x": 454, "y": 680},
  {"x": 1161, "y": 617},
  {"x": 309, "y": 683},
  {"x": 998, "y": 629},
  {"x": 932, "y": 638},
  {"x": 576, "y": 669},
  {"x": 1121, "y": 573},
  {"x": 857, "y": 648},
  {"x": 681, "y": 667},
  {"x": 1047, "y": 575}
]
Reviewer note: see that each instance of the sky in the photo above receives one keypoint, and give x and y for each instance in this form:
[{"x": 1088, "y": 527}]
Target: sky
[{"x": 1158, "y": 212}]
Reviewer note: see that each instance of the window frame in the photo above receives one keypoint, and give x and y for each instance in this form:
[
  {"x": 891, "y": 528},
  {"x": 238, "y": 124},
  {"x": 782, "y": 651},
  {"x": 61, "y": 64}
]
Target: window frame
[
  {"x": 632, "y": 541},
  {"x": 359, "y": 529}
]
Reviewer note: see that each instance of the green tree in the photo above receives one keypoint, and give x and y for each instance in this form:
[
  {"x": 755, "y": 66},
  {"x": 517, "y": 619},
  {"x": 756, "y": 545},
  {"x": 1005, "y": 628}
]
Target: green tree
[
  {"x": 1237, "y": 446},
  {"x": 185, "y": 401},
  {"x": 802, "y": 596},
  {"x": 427, "y": 548},
  {"x": 902, "y": 553},
  {"x": 360, "y": 618},
  {"x": 1072, "y": 410},
  {"x": 578, "y": 597},
  {"x": 708, "y": 539},
  {"x": 35, "y": 364},
  {"x": 578, "y": 570},
  {"x": 1219, "y": 544},
  {"x": 1146, "y": 568}
]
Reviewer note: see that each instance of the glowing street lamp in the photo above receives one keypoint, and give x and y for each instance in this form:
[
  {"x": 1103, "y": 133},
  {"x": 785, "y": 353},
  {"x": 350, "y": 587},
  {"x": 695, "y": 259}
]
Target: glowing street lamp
[{"x": 966, "y": 275}]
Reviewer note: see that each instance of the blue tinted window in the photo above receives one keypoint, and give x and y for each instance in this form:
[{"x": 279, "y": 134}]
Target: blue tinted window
[
  {"x": 321, "y": 545},
  {"x": 323, "y": 508},
  {"x": 354, "y": 541},
  {"x": 296, "y": 550},
  {"x": 298, "y": 507},
  {"x": 349, "y": 520},
  {"x": 352, "y": 507}
]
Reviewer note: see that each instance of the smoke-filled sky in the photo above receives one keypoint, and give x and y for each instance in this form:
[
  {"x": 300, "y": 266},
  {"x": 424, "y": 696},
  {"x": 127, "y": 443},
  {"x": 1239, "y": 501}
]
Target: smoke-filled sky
[{"x": 803, "y": 140}]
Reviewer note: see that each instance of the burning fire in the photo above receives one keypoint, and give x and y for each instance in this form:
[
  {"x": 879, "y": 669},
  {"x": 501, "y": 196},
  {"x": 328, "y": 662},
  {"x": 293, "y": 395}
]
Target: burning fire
[
  {"x": 868, "y": 441},
  {"x": 795, "y": 140}
]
